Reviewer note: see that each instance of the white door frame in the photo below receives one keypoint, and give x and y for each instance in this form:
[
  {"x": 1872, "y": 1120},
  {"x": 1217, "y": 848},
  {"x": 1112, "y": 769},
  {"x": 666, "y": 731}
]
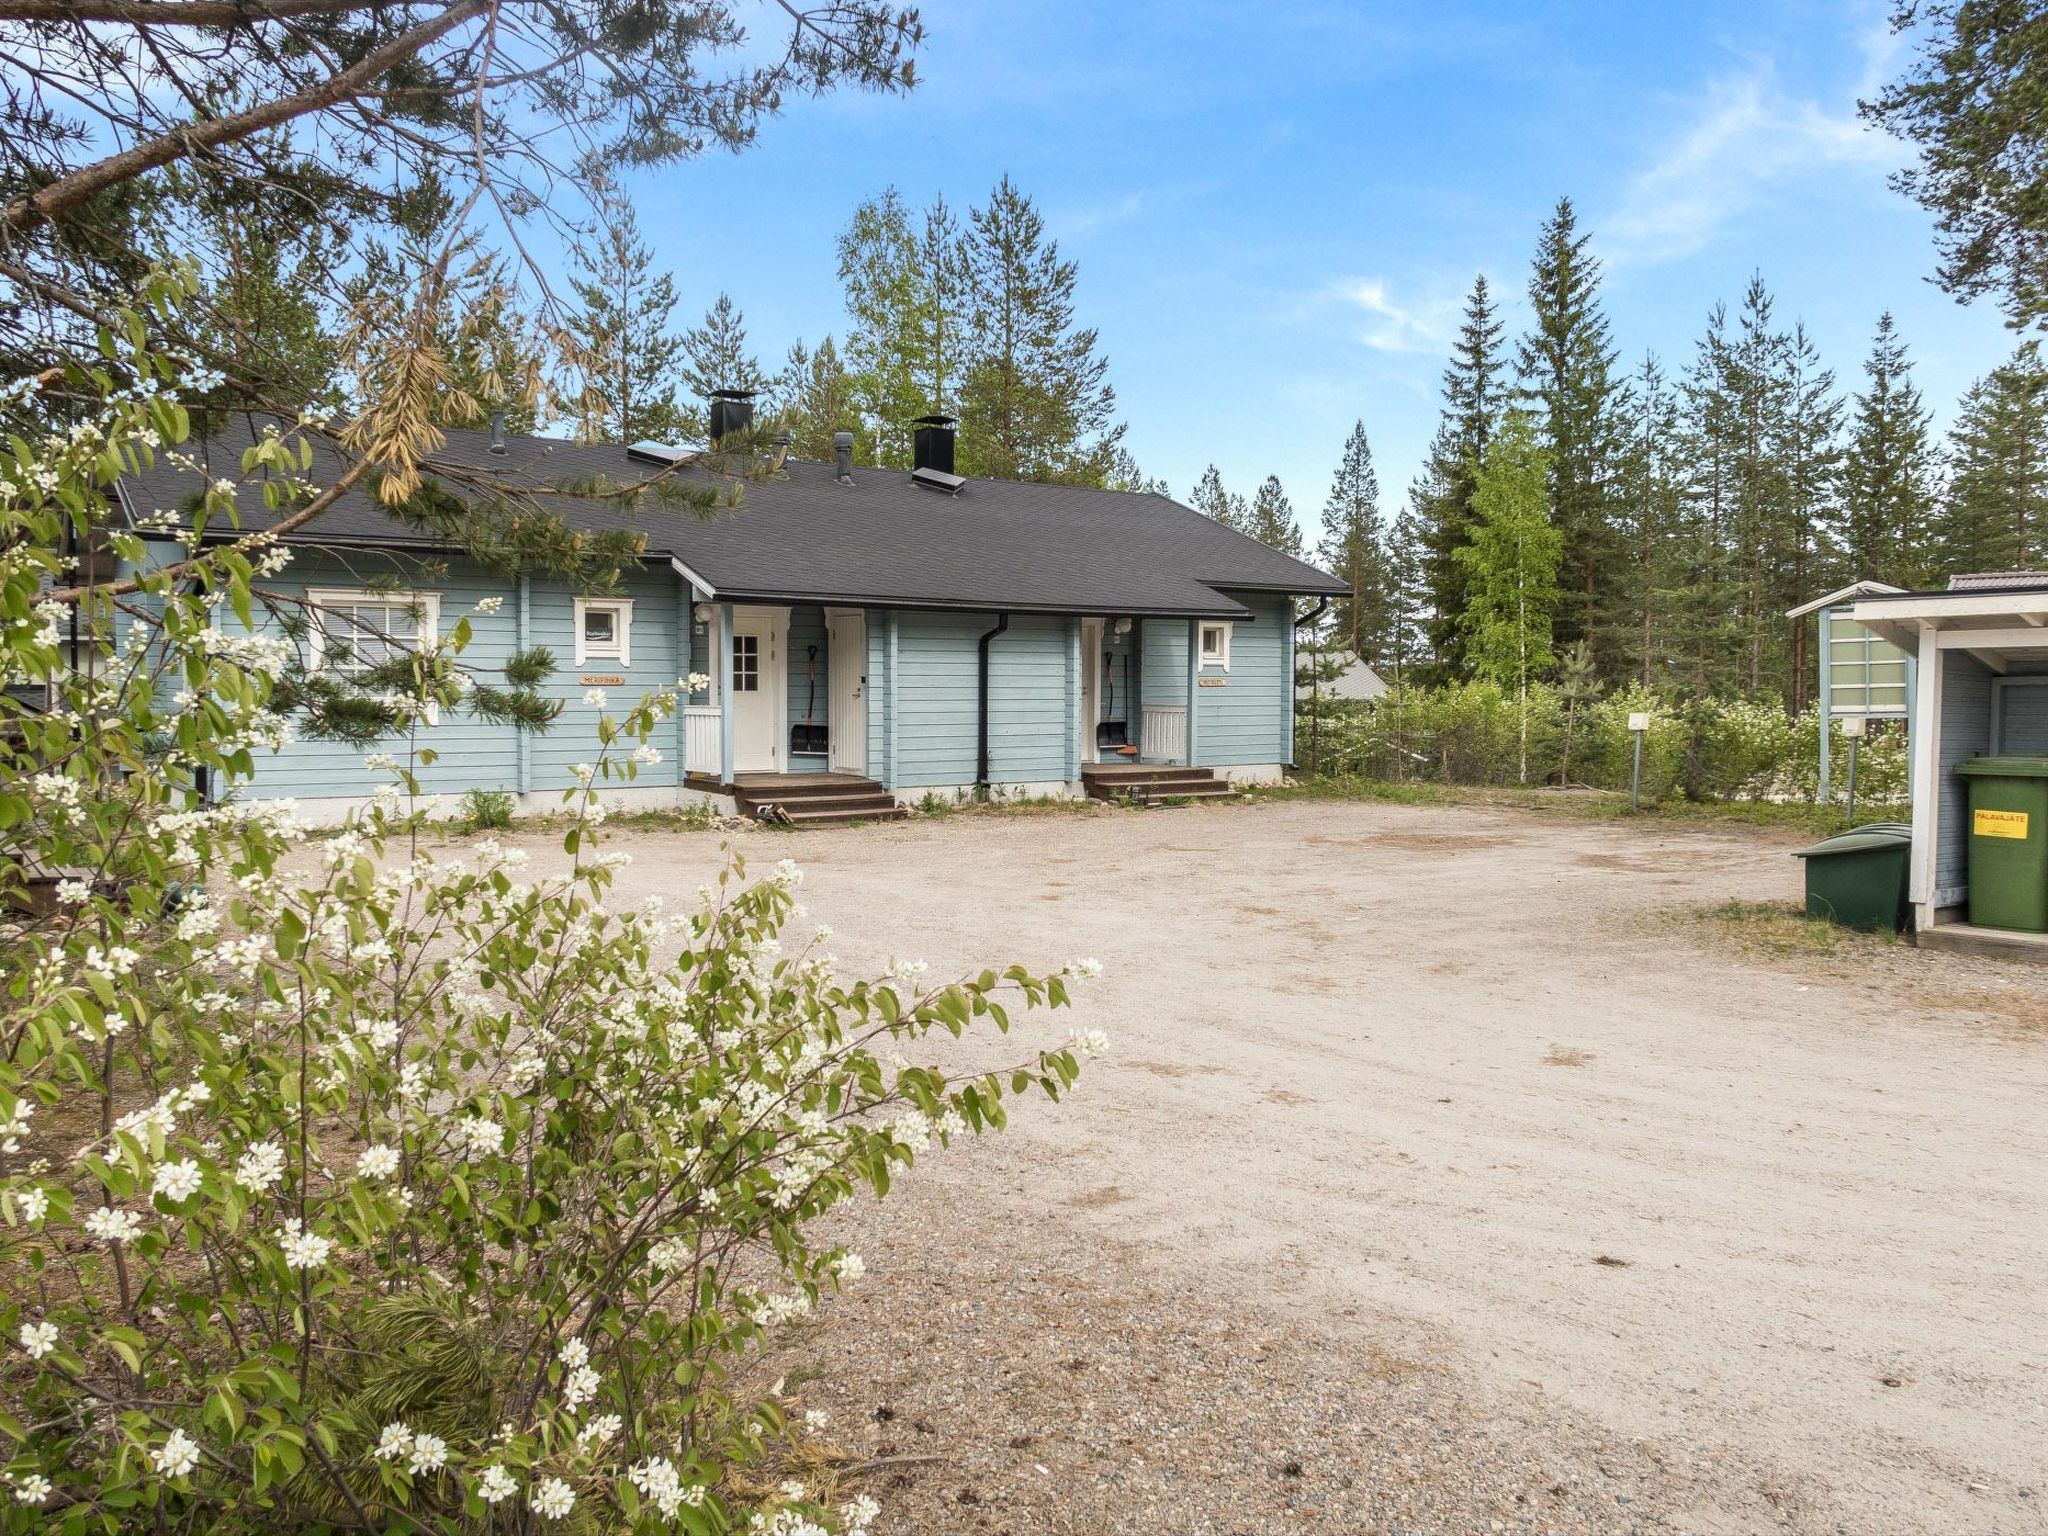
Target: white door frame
[
  {"x": 846, "y": 665},
  {"x": 772, "y": 625},
  {"x": 1092, "y": 632}
]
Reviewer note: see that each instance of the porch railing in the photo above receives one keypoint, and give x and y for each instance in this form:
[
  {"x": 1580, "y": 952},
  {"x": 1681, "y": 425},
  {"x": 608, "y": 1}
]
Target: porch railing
[
  {"x": 1164, "y": 733},
  {"x": 703, "y": 740}
]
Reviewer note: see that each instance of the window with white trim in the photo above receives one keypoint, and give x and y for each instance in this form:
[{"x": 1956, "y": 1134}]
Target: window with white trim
[
  {"x": 1216, "y": 646},
  {"x": 355, "y": 632},
  {"x": 604, "y": 630}
]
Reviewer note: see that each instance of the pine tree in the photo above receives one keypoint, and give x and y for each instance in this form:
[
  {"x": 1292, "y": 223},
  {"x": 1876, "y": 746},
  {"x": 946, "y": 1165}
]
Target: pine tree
[
  {"x": 1354, "y": 549},
  {"x": 1512, "y": 562},
  {"x": 1037, "y": 403},
  {"x": 1811, "y": 449},
  {"x": 1564, "y": 367},
  {"x": 715, "y": 356},
  {"x": 1125, "y": 474},
  {"x": 1888, "y": 471},
  {"x": 627, "y": 376},
  {"x": 1443, "y": 491},
  {"x": 814, "y": 402},
  {"x": 1272, "y": 518},
  {"x": 1995, "y": 515},
  {"x": 1211, "y": 500}
]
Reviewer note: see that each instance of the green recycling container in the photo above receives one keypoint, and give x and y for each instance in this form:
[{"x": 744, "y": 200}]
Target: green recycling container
[
  {"x": 2008, "y": 842},
  {"x": 1858, "y": 878}
]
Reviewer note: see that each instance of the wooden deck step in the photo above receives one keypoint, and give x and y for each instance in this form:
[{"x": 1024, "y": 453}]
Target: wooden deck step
[
  {"x": 814, "y": 799},
  {"x": 1154, "y": 783}
]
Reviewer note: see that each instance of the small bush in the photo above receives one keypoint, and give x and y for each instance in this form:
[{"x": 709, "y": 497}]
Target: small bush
[{"x": 486, "y": 810}]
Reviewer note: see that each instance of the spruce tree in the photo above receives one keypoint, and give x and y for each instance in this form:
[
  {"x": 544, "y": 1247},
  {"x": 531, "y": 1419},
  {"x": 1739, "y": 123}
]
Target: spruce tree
[
  {"x": 1407, "y": 641},
  {"x": 1995, "y": 515},
  {"x": 1354, "y": 548},
  {"x": 1272, "y": 518},
  {"x": 627, "y": 373},
  {"x": 1126, "y": 474},
  {"x": 1888, "y": 471},
  {"x": 715, "y": 356},
  {"x": 1564, "y": 379},
  {"x": 1651, "y": 581},
  {"x": 1037, "y": 403},
  {"x": 1473, "y": 389}
]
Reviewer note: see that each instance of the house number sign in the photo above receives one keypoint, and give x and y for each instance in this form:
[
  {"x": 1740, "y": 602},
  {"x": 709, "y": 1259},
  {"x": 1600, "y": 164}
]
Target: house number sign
[
  {"x": 602, "y": 680},
  {"x": 1215, "y": 682}
]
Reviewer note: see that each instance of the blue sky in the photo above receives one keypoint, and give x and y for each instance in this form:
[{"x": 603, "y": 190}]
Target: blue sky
[{"x": 1278, "y": 210}]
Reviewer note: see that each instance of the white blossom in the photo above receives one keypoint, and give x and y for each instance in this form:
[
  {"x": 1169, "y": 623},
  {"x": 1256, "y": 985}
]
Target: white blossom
[
  {"x": 38, "y": 1339},
  {"x": 394, "y": 1442},
  {"x": 176, "y": 1181},
  {"x": 260, "y": 1167},
  {"x": 553, "y": 1499},
  {"x": 176, "y": 1456},
  {"x": 496, "y": 1485},
  {"x": 302, "y": 1249},
  {"x": 377, "y": 1162},
  {"x": 481, "y": 1137},
  {"x": 30, "y": 1488},
  {"x": 111, "y": 1226},
  {"x": 429, "y": 1454}
]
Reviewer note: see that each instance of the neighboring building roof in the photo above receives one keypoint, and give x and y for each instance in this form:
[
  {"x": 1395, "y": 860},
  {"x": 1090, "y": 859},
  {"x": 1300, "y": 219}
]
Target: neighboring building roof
[
  {"x": 803, "y": 537},
  {"x": 1356, "y": 681},
  {"x": 1998, "y": 581}
]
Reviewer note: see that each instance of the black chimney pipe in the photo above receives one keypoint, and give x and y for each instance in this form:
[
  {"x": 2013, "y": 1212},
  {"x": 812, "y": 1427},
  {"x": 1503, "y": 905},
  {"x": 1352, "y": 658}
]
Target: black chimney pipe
[
  {"x": 732, "y": 410},
  {"x": 981, "y": 746},
  {"x": 932, "y": 445},
  {"x": 498, "y": 444},
  {"x": 842, "y": 457}
]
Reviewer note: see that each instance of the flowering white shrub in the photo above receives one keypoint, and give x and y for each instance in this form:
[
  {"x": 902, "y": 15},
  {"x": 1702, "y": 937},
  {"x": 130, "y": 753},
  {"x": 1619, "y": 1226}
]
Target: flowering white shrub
[{"x": 359, "y": 1189}]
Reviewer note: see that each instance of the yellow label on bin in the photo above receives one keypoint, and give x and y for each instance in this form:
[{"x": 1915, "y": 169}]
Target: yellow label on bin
[{"x": 2011, "y": 824}]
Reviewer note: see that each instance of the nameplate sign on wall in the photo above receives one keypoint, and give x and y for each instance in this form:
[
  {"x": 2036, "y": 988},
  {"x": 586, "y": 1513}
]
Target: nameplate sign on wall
[
  {"x": 1215, "y": 682},
  {"x": 602, "y": 680}
]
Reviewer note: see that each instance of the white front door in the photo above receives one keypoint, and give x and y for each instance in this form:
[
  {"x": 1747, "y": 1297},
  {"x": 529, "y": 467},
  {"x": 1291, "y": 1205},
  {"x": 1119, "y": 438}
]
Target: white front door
[
  {"x": 1091, "y": 687},
  {"x": 758, "y": 690},
  {"x": 848, "y": 628}
]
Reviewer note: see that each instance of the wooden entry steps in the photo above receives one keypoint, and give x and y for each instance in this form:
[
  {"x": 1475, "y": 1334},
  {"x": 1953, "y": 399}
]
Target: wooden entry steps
[
  {"x": 813, "y": 799},
  {"x": 1153, "y": 783}
]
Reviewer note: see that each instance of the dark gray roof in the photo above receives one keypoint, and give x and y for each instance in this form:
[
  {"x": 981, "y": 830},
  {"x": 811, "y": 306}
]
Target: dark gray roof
[{"x": 885, "y": 541}]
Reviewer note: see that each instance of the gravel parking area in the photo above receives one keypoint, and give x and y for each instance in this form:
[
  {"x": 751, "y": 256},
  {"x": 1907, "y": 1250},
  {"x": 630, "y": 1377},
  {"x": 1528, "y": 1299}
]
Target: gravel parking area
[{"x": 1449, "y": 1174}]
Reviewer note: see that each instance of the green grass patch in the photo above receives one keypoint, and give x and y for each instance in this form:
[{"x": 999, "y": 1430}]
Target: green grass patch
[
  {"x": 1581, "y": 804},
  {"x": 1782, "y": 929}
]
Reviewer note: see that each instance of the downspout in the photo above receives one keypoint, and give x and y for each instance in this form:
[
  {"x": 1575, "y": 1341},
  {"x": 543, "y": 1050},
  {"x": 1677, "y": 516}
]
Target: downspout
[
  {"x": 981, "y": 747},
  {"x": 1315, "y": 744}
]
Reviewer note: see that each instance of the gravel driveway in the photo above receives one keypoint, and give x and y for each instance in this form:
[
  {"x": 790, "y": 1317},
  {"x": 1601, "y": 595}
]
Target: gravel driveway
[{"x": 1449, "y": 1174}]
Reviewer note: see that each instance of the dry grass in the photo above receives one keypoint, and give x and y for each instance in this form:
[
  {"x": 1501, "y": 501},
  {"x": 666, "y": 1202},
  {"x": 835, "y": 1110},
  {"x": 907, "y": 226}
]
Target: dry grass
[{"x": 1566, "y": 1056}]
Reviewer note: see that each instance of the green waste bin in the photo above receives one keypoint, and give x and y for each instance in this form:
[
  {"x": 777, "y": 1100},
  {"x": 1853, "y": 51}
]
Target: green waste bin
[
  {"x": 1858, "y": 878},
  {"x": 2008, "y": 842}
]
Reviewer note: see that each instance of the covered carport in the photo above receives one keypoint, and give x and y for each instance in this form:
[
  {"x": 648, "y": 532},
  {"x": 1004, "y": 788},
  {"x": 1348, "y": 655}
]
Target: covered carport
[{"x": 1980, "y": 690}]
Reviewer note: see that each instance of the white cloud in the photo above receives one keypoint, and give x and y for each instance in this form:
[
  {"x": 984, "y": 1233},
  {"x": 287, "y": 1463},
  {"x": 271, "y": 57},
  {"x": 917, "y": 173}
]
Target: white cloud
[
  {"x": 1748, "y": 142},
  {"x": 1390, "y": 326}
]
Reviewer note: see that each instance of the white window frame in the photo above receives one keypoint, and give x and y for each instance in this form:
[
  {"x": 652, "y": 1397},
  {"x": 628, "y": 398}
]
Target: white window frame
[
  {"x": 621, "y": 649},
  {"x": 428, "y": 604},
  {"x": 1222, "y": 657}
]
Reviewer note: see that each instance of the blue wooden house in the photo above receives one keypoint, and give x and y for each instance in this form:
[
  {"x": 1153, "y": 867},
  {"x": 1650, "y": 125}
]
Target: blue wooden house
[{"x": 871, "y": 635}]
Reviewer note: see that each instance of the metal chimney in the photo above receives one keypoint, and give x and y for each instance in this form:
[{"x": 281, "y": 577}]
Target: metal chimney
[
  {"x": 932, "y": 448},
  {"x": 842, "y": 457},
  {"x": 732, "y": 410},
  {"x": 498, "y": 444}
]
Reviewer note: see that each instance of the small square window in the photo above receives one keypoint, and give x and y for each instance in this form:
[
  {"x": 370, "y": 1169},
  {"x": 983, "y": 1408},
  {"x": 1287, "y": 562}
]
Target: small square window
[
  {"x": 1216, "y": 646},
  {"x": 604, "y": 630}
]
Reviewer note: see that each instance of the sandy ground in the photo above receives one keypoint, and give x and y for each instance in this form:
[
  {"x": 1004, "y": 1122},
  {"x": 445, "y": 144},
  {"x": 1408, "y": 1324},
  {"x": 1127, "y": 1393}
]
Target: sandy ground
[{"x": 1760, "y": 1241}]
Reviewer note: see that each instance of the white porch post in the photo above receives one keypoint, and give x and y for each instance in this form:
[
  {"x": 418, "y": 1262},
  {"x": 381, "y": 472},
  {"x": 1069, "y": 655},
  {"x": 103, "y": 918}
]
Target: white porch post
[
  {"x": 723, "y": 672},
  {"x": 1926, "y": 750},
  {"x": 1194, "y": 684},
  {"x": 1827, "y": 674},
  {"x": 523, "y": 621}
]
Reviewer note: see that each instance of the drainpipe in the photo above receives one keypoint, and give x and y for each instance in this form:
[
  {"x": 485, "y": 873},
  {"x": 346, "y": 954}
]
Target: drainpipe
[
  {"x": 1315, "y": 746},
  {"x": 981, "y": 749},
  {"x": 1322, "y": 607}
]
